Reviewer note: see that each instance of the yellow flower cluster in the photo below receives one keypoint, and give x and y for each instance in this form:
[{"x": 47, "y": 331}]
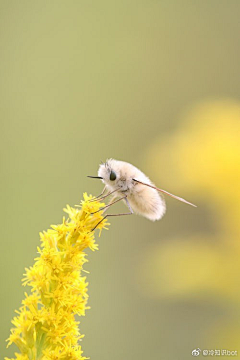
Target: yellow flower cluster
[
  {"x": 45, "y": 327},
  {"x": 204, "y": 156}
]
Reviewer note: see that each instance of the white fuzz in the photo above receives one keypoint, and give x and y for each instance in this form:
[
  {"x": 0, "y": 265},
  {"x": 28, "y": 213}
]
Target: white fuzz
[{"x": 121, "y": 177}]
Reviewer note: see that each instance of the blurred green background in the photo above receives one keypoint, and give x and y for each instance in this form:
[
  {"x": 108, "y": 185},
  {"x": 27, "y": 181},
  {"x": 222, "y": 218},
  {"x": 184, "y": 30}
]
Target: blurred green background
[{"x": 154, "y": 83}]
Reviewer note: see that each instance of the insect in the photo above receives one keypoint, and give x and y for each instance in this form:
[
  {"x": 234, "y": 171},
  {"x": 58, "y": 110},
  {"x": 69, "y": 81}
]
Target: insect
[{"x": 126, "y": 182}]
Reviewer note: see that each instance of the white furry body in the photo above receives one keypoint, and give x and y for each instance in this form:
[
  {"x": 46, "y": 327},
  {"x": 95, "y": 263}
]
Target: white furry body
[{"x": 143, "y": 200}]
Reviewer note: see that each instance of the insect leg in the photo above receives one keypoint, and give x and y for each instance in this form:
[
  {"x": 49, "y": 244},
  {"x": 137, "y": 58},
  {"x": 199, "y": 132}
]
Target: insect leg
[
  {"x": 111, "y": 203},
  {"x": 110, "y": 193},
  {"x": 103, "y": 197},
  {"x": 130, "y": 213},
  {"x": 96, "y": 197},
  {"x": 128, "y": 205}
]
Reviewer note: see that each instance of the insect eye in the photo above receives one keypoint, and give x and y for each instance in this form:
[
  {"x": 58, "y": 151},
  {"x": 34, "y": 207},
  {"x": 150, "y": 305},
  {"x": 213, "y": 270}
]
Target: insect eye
[{"x": 113, "y": 176}]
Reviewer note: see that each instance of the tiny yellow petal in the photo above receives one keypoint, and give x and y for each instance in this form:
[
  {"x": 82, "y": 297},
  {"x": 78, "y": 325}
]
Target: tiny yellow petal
[{"x": 45, "y": 325}]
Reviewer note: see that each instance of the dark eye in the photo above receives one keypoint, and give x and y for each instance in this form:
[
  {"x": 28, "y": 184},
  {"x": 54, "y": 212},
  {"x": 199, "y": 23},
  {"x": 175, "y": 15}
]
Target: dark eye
[{"x": 113, "y": 176}]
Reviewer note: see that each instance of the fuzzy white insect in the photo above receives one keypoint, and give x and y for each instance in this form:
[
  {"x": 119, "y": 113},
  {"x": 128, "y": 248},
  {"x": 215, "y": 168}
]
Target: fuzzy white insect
[{"x": 126, "y": 182}]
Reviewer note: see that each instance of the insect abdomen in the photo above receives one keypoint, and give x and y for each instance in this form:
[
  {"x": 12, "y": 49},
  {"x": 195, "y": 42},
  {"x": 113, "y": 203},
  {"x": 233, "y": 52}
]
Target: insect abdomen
[{"x": 148, "y": 203}]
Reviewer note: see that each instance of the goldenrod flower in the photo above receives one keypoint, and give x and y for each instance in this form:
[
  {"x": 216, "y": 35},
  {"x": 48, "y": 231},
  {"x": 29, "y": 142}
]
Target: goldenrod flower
[
  {"x": 204, "y": 156},
  {"x": 45, "y": 325}
]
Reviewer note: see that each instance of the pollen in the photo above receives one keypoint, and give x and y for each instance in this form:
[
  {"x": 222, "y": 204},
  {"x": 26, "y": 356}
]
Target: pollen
[{"x": 45, "y": 326}]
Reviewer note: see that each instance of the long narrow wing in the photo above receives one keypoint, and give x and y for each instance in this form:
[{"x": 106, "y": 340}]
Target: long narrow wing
[{"x": 165, "y": 192}]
